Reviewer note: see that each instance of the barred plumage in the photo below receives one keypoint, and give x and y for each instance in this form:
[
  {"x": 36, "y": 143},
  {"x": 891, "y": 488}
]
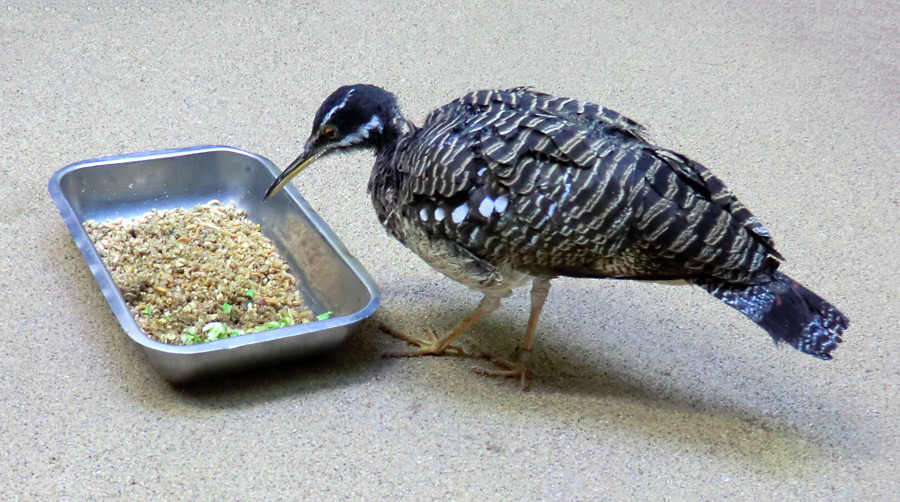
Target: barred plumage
[
  {"x": 501, "y": 187},
  {"x": 588, "y": 196}
]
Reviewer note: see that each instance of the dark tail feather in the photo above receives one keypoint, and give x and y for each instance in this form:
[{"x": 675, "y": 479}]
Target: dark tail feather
[{"x": 787, "y": 311}]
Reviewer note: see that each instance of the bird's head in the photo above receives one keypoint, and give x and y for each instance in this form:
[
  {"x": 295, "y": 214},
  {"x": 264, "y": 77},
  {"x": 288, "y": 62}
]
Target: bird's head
[{"x": 354, "y": 116}]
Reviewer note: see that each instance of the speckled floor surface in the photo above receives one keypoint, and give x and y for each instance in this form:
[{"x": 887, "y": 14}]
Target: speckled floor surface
[{"x": 640, "y": 392}]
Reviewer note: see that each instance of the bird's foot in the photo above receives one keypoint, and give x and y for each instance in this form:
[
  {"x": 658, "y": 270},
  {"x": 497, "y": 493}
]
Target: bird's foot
[
  {"x": 429, "y": 345},
  {"x": 507, "y": 368}
]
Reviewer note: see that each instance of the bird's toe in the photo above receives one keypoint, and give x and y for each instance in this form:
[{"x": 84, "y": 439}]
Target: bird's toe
[
  {"x": 428, "y": 345},
  {"x": 506, "y": 368}
]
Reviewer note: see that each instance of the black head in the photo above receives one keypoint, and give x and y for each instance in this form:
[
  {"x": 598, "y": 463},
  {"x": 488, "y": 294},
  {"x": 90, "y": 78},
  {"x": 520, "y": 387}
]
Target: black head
[{"x": 354, "y": 116}]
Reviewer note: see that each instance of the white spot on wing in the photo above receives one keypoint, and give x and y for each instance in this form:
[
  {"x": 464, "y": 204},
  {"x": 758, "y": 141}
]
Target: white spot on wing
[
  {"x": 500, "y": 204},
  {"x": 486, "y": 207},
  {"x": 423, "y": 213},
  {"x": 459, "y": 214},
  {"x": 439, "y": 214},
  {"x": 481, "y": 171}
]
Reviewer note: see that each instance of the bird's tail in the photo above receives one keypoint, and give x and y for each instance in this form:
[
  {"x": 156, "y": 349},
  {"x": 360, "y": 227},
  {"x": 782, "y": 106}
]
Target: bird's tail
[{"x": 787, "y": 311}]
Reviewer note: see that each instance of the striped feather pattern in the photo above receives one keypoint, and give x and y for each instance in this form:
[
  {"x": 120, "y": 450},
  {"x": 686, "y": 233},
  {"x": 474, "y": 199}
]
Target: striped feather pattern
[{"x": 555, "y": 186}]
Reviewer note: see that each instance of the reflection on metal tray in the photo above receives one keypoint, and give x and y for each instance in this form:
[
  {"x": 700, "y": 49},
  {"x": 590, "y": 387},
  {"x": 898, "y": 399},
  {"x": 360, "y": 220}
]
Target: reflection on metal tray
[{"x": 328, "y": 277}]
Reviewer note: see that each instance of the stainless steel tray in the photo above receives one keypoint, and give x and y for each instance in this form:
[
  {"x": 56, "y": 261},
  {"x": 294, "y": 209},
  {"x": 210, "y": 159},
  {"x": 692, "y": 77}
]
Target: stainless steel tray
[{"x": 328, "y": 277}]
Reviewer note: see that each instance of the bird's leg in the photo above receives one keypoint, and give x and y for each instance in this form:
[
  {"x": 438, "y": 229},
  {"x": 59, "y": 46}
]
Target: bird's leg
[
  {"x": 540, "y": 288},
  {"x": 432, "y": 345}
]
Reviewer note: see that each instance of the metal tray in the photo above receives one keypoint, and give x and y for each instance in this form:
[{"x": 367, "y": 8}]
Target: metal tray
[{"x": 328, "y": 277}]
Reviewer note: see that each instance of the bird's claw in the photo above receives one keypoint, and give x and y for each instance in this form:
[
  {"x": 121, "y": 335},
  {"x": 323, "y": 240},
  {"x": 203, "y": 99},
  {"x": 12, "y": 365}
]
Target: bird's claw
[
  {"x": 507, "y": 368},
  {"x": 429, "y": 345}
]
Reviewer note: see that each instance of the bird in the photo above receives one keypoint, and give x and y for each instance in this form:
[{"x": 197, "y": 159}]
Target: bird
[{"x": 505, "y": 187}]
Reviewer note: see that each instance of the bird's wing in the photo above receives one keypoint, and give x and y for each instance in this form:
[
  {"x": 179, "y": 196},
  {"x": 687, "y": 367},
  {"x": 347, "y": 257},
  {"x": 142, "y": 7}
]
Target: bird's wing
[
  {"x": 564, "y": 187},
  {"x": 716, "y": 191}
]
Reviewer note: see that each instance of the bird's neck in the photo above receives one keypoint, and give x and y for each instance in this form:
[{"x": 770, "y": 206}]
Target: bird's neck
[
  {"x": 396, "y": 128},
  {"x": 386, "y": 180}
]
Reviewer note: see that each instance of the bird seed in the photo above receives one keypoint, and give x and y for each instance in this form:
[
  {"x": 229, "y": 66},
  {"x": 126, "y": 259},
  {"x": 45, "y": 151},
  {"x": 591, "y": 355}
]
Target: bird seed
[{"x": 197, "y": 275}]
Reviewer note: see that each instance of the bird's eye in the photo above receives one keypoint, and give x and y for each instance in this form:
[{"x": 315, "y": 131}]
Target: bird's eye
[{"x": 329, "y": 132}]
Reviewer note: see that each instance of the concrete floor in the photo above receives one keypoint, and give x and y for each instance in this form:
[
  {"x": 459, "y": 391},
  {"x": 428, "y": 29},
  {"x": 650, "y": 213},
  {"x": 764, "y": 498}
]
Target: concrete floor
[{"x": 640, "y": 391}]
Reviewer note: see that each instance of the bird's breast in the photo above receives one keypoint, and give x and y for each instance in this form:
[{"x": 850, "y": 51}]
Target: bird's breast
[{"x": 453, "y": 260}]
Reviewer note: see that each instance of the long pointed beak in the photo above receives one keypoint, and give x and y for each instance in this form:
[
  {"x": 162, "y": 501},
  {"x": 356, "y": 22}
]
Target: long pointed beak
[{"x": 306, "y": 158}]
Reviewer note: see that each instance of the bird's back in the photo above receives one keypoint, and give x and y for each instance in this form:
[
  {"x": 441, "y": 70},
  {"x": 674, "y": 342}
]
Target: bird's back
[{"x": 555, "y": 186}]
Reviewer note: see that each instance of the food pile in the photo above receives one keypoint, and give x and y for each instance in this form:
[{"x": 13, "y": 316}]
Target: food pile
[{"x": 197, "y": 275}]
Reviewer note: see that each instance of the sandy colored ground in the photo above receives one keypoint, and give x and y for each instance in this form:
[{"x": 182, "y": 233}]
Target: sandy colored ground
[{"x": 640, "y": 392}]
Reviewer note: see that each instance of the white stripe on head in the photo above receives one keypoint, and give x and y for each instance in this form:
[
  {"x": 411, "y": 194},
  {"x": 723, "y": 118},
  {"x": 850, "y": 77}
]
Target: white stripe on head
[
  {"x": 374, "y": 124},
  {"x": 337, "y": 106}
]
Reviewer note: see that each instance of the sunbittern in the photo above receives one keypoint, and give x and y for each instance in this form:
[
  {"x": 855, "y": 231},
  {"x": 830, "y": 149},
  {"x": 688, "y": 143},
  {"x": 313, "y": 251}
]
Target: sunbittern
[{"x": 502, "y": 187}]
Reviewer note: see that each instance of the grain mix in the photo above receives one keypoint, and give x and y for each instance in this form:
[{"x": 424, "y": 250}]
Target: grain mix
[{"x": 194, "y": 275}]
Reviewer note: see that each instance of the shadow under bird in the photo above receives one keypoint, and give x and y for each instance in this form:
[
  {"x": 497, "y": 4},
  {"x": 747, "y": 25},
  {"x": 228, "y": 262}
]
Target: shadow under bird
[{"x": 500, "y": 188}]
